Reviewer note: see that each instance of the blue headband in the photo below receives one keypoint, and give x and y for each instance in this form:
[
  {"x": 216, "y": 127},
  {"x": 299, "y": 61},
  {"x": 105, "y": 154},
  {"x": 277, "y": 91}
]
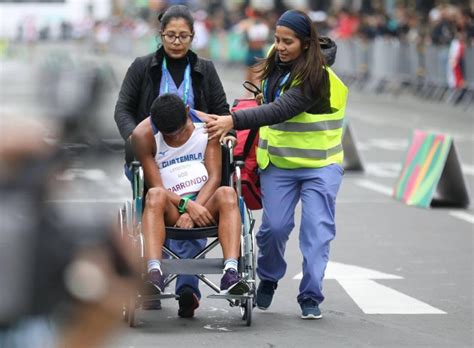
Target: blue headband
[{"x": 295, "y": 21}]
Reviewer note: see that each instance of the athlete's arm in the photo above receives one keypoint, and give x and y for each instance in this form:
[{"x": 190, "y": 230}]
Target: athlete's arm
[
  {"x": 199, "y": 214},
  {"x": 144, "y": 148}
]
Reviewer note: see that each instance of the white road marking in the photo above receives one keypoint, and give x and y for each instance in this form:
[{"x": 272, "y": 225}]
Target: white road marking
[
  {"x": 392, "y": 169},
  {"x": 388, "y": 191},
  {"x": 372, "y": 297},
  {"x": 337, "y": 270},
  {"x": 462, "y": 215},
  {"x": 467, "y": 169},
  {"x": 86, "y": 174},
  {"x": 383, "y": 169},
  {"x": 387, "y": 122},
  {"x": 390, "y": 144},
  {"x": 216, "y": 309},
  {"x": 210, "y": 327}
]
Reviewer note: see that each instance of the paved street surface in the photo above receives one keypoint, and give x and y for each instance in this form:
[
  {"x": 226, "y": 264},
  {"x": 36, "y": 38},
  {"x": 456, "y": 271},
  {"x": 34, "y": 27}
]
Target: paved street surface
[{"x": 399, "y": 276}]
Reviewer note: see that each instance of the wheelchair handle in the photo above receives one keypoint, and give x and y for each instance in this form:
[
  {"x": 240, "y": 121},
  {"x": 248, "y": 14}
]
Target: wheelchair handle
[{"x": 230, "y": 146}]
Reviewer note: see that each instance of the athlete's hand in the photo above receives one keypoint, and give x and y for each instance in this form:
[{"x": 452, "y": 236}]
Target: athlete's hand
[
  {"x": 200, "y": 215},
  {"x": 184, "y": 221}
]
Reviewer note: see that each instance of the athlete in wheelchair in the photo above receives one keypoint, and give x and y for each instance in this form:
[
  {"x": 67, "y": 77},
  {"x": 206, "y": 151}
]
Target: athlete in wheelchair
[{"x": 185, "y": 201}]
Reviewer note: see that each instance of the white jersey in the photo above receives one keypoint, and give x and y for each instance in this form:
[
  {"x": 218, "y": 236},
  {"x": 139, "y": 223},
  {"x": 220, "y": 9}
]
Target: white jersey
[{"x": 182, "y": 168}]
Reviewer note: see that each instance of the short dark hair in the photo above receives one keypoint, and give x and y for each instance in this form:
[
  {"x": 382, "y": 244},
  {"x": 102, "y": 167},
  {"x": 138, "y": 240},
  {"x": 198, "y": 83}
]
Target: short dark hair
[
  {"x": 176, "y": 11},
  {"x": 168, "y": 113}
]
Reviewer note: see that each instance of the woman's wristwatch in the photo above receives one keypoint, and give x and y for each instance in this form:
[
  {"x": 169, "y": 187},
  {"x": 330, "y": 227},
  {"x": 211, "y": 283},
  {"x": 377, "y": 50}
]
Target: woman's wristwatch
[{"x": 183, "y": 203}]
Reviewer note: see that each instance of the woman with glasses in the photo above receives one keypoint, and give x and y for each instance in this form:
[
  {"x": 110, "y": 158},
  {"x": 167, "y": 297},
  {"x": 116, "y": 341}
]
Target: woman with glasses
[{"x": 175, "y": 69}]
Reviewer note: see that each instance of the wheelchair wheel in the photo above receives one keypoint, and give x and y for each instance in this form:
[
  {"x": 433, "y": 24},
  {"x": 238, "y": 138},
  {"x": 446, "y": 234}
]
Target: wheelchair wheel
[
  {"x": 122, "y": 229},
  {"x": 132, "y": 306},
  {"x": 246, "y": 311},
  {"x": 124, "y": 313}
]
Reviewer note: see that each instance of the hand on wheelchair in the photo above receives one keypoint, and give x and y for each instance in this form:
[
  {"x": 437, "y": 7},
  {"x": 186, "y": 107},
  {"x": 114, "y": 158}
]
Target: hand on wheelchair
[
  {"x": 199, "y": 214},
  {"x": 185, "y": 221}
]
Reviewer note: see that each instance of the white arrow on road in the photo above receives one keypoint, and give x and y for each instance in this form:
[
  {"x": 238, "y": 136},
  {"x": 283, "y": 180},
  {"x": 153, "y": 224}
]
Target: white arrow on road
[{"x": 371, "y": 297}]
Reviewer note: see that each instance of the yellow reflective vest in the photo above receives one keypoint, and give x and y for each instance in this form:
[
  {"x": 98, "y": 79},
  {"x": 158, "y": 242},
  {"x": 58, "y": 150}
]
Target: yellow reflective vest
[{"x": 306, "y": 140}]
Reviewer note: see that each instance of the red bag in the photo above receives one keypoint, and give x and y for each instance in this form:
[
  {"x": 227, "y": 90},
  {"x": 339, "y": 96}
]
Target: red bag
[{"x": 244, "y": 151}]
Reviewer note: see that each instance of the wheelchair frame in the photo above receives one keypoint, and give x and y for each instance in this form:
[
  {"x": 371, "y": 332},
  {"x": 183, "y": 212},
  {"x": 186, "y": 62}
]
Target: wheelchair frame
[{"x": 131, "y": 230}]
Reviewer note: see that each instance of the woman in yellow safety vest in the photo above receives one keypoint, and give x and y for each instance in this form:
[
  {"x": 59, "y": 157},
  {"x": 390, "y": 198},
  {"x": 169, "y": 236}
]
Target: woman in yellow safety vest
[{"x": 299, "y": 155}]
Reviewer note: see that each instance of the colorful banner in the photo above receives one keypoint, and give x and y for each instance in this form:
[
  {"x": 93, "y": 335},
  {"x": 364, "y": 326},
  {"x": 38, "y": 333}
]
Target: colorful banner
[{"x": 422, "y": 169}]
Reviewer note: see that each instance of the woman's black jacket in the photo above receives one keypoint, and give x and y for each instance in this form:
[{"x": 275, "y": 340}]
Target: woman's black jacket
[{"x": 141, "y": 85}]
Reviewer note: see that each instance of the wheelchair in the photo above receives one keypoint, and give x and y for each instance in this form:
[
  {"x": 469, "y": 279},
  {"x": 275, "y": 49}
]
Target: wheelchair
[{"x": 130, "y": 227}]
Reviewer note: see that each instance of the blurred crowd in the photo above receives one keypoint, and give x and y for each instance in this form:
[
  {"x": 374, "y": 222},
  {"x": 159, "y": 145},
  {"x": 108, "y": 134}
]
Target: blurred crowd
[
  {"x": 438, "y": 26},
  {"x": 442, "y": 24}
]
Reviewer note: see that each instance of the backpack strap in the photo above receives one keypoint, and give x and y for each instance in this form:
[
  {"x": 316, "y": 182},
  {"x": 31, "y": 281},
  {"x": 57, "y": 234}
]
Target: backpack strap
[{"x": 249, "y": 142}]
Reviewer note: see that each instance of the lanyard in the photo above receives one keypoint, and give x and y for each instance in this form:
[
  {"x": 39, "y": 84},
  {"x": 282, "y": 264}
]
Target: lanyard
[
  {"x": 283, "y": 81},
  {"x": 187, "y": 80}
]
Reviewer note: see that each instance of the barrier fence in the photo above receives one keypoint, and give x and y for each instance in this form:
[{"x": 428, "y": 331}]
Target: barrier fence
[
  {"x": 380, "y": 66},
  {"x": 388, "y": 65}
]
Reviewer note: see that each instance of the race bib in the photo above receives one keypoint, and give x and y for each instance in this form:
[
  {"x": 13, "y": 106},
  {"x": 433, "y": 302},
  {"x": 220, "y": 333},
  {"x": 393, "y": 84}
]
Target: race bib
[{"x": 184, "y": 178}]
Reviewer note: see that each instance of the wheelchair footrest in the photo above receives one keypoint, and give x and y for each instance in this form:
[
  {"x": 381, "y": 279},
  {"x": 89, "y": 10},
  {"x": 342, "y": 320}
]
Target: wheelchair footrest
[
  {"x": 231, "y": 297},
  {"x": 162, "y": 296},
  {"x": 192, "y": 266}
]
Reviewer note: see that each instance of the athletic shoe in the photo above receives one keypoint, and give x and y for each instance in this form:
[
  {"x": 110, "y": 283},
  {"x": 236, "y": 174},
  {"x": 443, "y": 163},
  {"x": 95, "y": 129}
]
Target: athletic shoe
[
  {"x": 265, "y": 292},
  {"x": 232, "y": 284},
  {"x": 155, "y": 278},
  {"x": 310, "y": 309},
  {"x": 188, "y": 302}
]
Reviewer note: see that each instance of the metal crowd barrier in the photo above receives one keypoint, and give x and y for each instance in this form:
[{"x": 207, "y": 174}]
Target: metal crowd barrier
[
  {"x": 383, "y": 65},
  {"x": 390, "y": 65}
]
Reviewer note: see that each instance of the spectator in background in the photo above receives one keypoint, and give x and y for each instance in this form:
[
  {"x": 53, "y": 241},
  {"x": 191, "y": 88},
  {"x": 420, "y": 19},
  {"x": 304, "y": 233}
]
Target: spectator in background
[
  {"x": 465, "y": 24},
  {"x": 201, "y": 30},
  {"x": 320, "y": 19},
  {"x": 401, "y": 23},
  {"x": 256, "y": 32},
  {"x": 367, "y": 27},
  {"x": 102, "y": 36},
  {"x": 347, "y": 26},
  {"x": 456, "y": 61},
  {"x": 443, "y": 31}
]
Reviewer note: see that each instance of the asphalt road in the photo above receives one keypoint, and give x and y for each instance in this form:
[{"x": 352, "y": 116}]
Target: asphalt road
[{"x": 399, "y": 276}]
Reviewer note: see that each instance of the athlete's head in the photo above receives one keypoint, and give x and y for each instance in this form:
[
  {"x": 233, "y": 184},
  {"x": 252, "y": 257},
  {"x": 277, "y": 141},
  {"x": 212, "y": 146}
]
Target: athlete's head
[{"x": 168, "y": 113}]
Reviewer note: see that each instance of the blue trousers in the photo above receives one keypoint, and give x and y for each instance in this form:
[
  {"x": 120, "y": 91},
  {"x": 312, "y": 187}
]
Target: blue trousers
[{"x": 281, "y": 190}]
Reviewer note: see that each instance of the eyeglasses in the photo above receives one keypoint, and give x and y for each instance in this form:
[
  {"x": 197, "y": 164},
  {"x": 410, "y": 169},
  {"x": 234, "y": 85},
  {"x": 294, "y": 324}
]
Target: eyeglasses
[{"x": 171, "y": 37}]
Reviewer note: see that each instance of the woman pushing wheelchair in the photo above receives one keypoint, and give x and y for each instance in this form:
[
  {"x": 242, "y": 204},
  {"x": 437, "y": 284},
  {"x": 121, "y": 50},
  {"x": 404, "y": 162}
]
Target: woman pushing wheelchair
[{"x": 173, "y": 68}]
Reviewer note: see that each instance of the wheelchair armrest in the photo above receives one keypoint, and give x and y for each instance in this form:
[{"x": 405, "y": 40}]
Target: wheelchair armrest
[{"x": 135, "y": 164}]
